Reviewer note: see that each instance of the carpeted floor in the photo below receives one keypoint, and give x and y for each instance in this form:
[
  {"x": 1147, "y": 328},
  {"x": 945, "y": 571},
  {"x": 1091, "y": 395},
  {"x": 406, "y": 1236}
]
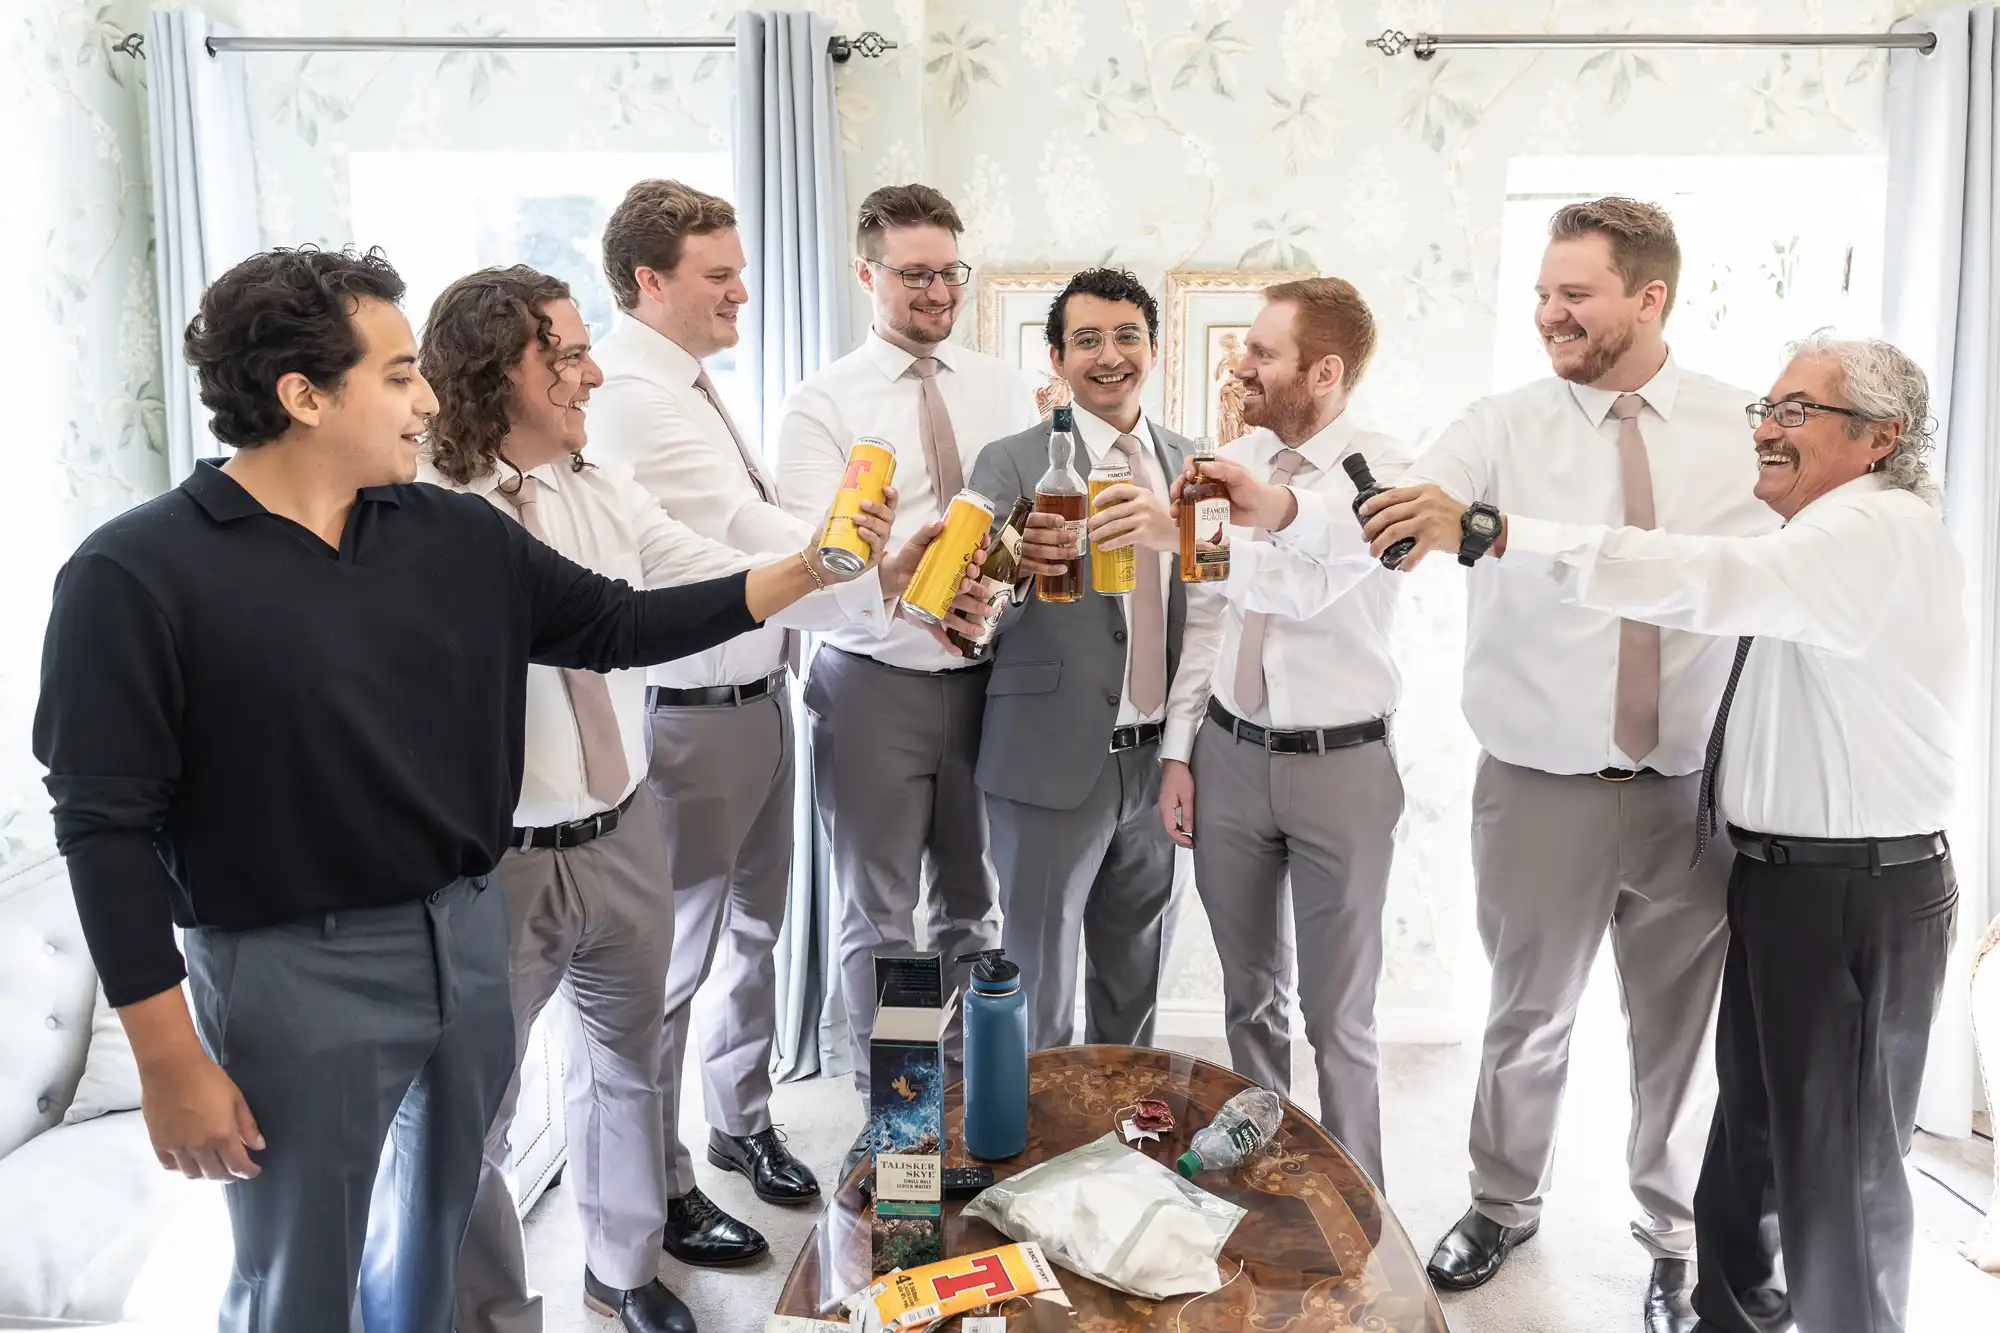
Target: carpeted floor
[{"x": 1582, "y": 1274}]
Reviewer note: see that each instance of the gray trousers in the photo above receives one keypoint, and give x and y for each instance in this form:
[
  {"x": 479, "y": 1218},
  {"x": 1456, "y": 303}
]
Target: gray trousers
[
  {"x": 723, "y": 778},
  {"x": 1556, "y": 860},
  {"x": 1324, "y": 826},
  {"x": 594, "y": 920},
  {"x": 893, "y": 759},
  {"x": 372, "y": 1047},
  {"x": 1101, "y": 875}
]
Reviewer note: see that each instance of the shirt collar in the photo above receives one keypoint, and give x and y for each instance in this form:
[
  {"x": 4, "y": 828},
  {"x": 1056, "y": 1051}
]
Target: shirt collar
[
  {"x": 1324, "y": 450},
  {"x": 225, "y": 500},
  {"x": 894, "y": 362},
  {"x": 489, "y": 481},
  {"x": 1659, "y": 393},
  {"x": 1099, "y": 435},
  {"x": 673, "y": 363}
]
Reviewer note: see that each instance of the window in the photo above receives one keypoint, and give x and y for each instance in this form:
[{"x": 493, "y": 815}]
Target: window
[
  {"x": 1771, "y": 249},
  {"x": 440, "y": 216}
]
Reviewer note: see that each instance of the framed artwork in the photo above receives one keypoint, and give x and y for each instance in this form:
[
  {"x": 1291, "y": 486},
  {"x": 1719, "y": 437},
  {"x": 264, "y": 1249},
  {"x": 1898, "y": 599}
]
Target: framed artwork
[{"x": 1208, "y": 314}]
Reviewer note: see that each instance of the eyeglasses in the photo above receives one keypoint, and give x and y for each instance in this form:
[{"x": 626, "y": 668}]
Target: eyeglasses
[
  {"x": 954, "y": 275},
  {"x": 1129, "y": 337},
  {"x": 1792, "y": 412}
]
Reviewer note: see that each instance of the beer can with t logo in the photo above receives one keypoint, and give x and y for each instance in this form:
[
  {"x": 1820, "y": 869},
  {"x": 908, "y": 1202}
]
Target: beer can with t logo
[
  {"x": 942, "y": 571},
  {"x": 870, "y": 468}
]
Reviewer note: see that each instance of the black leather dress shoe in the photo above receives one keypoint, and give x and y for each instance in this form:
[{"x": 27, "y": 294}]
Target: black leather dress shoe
[
  {"x": 1670, "y": 1298},
  {"x": 1473, "y": 1250},
  {"x": 648, "y": 1309},
  {"x": 701, "y": 1234},
  {"x": 776, "y": 1175}
]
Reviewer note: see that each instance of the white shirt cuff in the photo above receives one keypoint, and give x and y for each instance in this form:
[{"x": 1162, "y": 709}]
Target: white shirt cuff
[
  {"x": 1177, "y": 738},
  {"x": 862, "y": 602},
  {"x": 1534, "y": 545},
  {"x": 1308, "y": 529}
]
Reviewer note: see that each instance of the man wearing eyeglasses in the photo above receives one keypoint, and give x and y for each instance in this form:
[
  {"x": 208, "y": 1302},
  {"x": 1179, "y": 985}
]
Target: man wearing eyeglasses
[
  {"x": 1592, "y": 730},
  {"x": 1829, "y": 772},
  {"x": 1070, "y": 756},
  {"x": 896, "y": 719}
]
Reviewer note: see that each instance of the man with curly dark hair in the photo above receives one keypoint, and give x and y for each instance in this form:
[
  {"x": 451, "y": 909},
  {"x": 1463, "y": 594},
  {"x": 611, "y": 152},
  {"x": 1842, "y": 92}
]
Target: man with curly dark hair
[
  {"x": 282, "y": 708},
  {"x": 589, "y": 888}
]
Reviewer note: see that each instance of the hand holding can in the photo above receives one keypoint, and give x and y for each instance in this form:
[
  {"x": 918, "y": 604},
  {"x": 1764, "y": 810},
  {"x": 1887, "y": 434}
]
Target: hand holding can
[{"x": 845, "y": 548}]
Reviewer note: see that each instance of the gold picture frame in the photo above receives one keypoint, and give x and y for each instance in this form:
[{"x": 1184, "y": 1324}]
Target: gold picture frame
[
  {"x": 1011, "y": 302},
  {"x": 1205, "y": 309}
]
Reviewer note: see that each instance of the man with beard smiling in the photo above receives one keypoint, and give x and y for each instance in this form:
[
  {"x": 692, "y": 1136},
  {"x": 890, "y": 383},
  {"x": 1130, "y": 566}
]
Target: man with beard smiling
[
  {"x": 1279, "y": 720},
  {"x": 1830, "y": 773},
  {"x": 1069, "y": 758},
  {"x": 1592, "y": 731}
]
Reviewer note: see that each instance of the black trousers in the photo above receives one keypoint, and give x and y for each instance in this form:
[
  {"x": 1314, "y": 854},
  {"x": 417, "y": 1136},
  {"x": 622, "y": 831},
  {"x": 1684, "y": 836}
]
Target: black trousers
[{"x": 1803, "y": 1212}]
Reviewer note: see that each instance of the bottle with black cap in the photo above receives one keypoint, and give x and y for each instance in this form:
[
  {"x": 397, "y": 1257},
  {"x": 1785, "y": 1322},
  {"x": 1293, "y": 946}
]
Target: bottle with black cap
[
  {"x": 996, "y": 1058},
  {"x": 1367, "y": 488}
]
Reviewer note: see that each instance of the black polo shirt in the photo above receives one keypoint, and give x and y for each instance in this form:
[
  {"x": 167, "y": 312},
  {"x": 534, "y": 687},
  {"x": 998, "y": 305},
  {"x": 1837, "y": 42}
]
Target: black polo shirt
[{"x": 244, "y": 726}]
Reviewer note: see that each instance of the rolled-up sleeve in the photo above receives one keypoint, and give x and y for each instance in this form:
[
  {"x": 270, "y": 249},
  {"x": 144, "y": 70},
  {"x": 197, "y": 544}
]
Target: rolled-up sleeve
[{"x": 108, "y": 729}]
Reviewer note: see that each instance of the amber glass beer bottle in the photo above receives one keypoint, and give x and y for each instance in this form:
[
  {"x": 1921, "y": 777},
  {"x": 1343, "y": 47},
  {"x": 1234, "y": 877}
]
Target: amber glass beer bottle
[
  {"x": 1061, "y": 491},
  {"x": 1204, "y": 522}
]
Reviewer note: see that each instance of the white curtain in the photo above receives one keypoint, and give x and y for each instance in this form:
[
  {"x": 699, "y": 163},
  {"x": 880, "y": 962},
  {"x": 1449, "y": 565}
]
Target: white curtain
[
  {"x": 1940, "y": 304},
  {"x": 204, "y": 199},
  {"x": 791, "y": 207}
]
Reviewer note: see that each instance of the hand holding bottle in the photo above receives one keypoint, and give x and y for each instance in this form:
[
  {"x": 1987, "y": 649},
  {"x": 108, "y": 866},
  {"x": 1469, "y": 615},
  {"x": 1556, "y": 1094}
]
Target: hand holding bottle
[
  {"x": 1252, "y": 503},
  {"x": 1046, "y": 547}
]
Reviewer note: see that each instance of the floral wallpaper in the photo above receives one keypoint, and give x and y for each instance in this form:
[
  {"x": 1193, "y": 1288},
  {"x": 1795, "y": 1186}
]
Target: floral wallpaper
[{"x": 1153, "y": 133}]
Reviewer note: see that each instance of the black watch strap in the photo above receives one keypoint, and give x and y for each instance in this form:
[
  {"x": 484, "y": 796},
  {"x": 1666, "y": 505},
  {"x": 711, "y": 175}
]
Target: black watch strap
[{"x": 1471, "y": 543}]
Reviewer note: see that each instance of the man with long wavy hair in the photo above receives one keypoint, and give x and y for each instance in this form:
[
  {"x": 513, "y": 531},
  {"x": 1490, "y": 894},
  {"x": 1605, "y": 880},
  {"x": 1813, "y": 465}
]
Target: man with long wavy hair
[{"x": 586, "y": 877}]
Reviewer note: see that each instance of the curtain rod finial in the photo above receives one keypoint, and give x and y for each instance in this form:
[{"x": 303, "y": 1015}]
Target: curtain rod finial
[
  {"x": 870, "y": 44},
  {"x": 133, "y": 45}
]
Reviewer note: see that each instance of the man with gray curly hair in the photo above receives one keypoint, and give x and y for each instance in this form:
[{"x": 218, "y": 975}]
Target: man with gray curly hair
[{"x": 1830, "y": 773}]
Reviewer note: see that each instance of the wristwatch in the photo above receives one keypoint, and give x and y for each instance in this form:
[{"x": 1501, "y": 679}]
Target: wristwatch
[{"x": 1478, "y": 529}]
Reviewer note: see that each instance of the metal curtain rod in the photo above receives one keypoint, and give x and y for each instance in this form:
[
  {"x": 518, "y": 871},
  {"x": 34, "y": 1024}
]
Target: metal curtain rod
[
  {"x": 1427, "y": 44},
  {"x": 840, "y": 49}
]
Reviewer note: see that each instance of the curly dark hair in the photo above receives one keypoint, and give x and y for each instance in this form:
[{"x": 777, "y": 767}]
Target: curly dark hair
[
  {"x": 275, "y": 314},
  {"x": 479, "y": 328},
  {"x": 1108, "y": 284}
]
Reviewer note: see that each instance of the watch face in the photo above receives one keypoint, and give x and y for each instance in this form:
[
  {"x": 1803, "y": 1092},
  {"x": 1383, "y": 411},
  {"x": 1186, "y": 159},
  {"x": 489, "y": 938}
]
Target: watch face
[{"x": 1483, "y": 523}]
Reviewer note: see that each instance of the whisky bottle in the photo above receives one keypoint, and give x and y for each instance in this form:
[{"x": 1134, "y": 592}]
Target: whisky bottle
[
  {"x": 1204, "y": 507},
  {"x": 1061, "y": 491}
]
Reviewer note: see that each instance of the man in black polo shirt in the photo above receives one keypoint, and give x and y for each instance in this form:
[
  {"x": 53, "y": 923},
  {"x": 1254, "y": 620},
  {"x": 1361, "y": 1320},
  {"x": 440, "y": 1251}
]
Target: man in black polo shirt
[{"x": 282, "y": 708}]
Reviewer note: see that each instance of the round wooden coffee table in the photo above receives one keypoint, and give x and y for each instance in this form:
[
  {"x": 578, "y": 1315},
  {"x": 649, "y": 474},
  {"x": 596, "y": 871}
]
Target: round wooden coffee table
[{"x": 1320, "y": 1249}]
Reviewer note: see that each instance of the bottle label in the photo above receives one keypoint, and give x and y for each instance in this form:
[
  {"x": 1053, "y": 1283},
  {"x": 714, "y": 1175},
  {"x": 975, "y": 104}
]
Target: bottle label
[
  {"x": 1079, "y": 530},
  {"x": 1211, "y": 531},
  {"x": 996, "y": 591},
  {"x": 1246, "y": 1138}
]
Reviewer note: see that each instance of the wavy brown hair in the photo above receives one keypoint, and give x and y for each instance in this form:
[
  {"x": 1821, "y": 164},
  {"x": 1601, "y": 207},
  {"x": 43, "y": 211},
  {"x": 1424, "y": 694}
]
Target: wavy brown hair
[{"x": 479, "y": 328}]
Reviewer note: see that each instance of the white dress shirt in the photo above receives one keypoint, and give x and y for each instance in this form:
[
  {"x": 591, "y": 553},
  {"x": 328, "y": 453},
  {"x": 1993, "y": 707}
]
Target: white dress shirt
[
  {"x": 649, "y": 417},
  {"x": 1332, "y": 606},
  {"x": 604, "y": 520},
  {"x": 1541, "y": 674},
  {"x": 1098, "y": 438},
  {"x": 867, "y": 393},
  {"x": 1847, "y": 716}
]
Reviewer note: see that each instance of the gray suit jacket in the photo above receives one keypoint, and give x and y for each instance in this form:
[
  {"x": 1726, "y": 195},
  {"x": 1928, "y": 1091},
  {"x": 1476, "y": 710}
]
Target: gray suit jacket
[{"x": 1058, "y": 670}]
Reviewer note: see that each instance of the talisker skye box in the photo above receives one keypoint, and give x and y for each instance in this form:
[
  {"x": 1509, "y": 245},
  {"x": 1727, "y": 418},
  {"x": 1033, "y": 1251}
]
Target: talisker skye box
[{"x": 906, "y": 1077}]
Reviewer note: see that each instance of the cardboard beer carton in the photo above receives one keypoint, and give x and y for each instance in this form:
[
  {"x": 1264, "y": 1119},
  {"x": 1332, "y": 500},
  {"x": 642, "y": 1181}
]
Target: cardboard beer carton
[{"x": 906, "y": 1076}]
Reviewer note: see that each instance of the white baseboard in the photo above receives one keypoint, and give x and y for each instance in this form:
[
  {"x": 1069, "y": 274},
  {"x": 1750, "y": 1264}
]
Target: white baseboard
[{"x": 1193, "y": 1019}]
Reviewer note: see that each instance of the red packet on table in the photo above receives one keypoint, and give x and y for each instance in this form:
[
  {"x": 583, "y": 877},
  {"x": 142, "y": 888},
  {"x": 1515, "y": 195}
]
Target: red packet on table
[
  {"x": 1155, "y": 1115},
  {"x": 916, "y": 1298}
]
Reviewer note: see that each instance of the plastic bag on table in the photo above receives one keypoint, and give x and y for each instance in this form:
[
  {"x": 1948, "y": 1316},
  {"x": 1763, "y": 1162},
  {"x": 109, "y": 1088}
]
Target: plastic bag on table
[{"x": 1115, "y": 1216}]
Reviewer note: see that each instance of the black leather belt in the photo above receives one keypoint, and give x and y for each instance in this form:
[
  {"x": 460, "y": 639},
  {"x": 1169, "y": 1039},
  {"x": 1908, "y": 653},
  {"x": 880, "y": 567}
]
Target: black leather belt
[
  {"x": 1869, "y": 854},
  {"x": 573, "y": 834},
  {"x": 1131, "y": 738},
  {"x": 714, "y": 696},
  {"x": 1299, "y": 742},
  {"x": 1625, "y": 774}
]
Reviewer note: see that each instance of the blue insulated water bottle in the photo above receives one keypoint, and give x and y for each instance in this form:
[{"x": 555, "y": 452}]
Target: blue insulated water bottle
[{"x": 996, "y": 1059}]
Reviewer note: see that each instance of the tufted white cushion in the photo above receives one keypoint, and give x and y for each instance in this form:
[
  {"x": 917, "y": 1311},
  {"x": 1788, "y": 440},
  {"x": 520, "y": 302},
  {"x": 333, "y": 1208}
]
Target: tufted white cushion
[
  {"x": 110, "y": 1071},
  {"x": 46, "y": 990}
]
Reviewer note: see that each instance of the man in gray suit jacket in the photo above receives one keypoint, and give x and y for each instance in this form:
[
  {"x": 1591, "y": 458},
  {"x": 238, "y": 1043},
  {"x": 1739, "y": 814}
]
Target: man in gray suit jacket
[{"x": 1069, "y": 758}]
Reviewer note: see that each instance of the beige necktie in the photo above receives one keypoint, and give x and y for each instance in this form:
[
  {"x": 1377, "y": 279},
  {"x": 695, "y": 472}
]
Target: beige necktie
[
  {"x": 605, "y": 773},
  {"x": 1250, "y": 646},
  {"x": 1636, "y": 722},
  {"x": 1147, "y": 684},
  {"x": 794, "y": 647},
  {"x": 941, "y": 459},
  {"x": 707, "y": 387}
]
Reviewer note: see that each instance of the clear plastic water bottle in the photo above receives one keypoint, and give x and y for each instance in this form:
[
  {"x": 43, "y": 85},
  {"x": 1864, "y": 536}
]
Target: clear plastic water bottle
[{"x": 1245, "y": 1123}]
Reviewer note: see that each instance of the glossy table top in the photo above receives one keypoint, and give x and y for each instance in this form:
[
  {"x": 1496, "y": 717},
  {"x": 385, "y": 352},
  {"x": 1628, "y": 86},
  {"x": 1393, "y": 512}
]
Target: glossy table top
[{"x": 1319, "y": 1251}]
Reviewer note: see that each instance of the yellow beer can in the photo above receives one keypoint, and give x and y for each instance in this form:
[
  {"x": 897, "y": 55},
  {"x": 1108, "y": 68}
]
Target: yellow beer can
[
  {"x": 870, "y": 468},
  {"x": 942, "y": 571},
  {"x": 1113, "y": 573}
]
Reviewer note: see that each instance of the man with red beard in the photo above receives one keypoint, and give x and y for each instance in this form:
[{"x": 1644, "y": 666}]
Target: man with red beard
[{"x": 1592, "y": 731}]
